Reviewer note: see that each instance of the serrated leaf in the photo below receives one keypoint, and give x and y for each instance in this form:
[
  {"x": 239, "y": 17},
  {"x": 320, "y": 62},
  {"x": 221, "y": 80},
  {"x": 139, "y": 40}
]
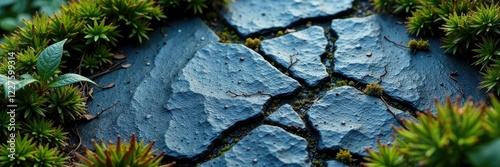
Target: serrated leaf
[
  {"x": 67, "y": 79},
  {"x": 49, "y": 60}
]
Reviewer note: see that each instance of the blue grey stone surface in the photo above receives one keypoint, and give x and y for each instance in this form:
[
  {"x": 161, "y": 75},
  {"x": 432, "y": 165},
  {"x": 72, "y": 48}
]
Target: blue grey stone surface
[
  {"x": 260, "y": 16},
  {"x": 303, "y": 47},
  {"x": 287, "y": 117},
  {"x": 265, "y": 146},
  {"x": 347, "y": 119},
  {"x": 202, "y": 103},
  {"x": 335, "y": 163},
  {"x": 416, "y": 79},
  {"x": 179, "y": 99},
  {"x": 142, "y": 90}
]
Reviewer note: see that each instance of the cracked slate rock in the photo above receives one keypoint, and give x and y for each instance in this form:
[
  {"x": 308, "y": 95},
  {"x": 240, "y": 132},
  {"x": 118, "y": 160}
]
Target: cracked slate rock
[
  {"x": 335, "y": 163},
  {"x": 260, "y": 16},
  {"x": 286, "y": 116},
  {"x": 347, "y": 119},
  {"x": 142, "y": 90},
  {"x": 171, "y": 100},
  {"x": 202, "y": 103},
  {"x": 306, "y": 48},
  {"x": 265, "y": 146},
  {"x": 416, "y": 79}
]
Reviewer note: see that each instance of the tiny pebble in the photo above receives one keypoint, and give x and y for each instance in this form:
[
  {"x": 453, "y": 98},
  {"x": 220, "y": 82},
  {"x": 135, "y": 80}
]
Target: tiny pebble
[
  {"x": 180, "y": 30},
  {"x": 343, "y": 123},
  {"x": 242, "y": 59},
  {"x": 358, "y": 46},
  {"x": 148, "y": 63},
  {"x": 255, "y": 160},
  {"x": 225, "y": 107},
  {"x": 239, "y": 82},
  {"x": 369, "y": 54},
  {"x": 202, "y": 38},
  {"x": 148, "y": 116}
]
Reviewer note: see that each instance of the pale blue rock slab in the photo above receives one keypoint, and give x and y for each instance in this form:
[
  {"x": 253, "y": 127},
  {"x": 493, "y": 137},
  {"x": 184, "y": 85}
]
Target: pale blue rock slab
[
  {"x": 287, "y": 117},
  {"x": 363, "y": 54},
  {"x": 335, "y": 163},
  {"x": 265, "y": 146},
  {"x": 141, "y": 90},
  {"x": 345, "y": 118},
  {"x": 203, "y": 102},
  {"x": 304, "y": 49},
  {"x": 250, "y": 17},
  {"x": 179, "y": 98}
]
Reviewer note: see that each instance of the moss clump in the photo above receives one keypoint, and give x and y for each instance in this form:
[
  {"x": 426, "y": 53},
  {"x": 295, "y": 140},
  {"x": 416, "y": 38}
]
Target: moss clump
[
  {"x": 279, "y": 33},
  {"x": 415, "y": 45},
  {"x": 341, "y": 83},
  {"x": 252, "y": 43},
  {"x": 351, "y": 83},
  {"x": 344, "y": 156},
  {"x": 373, "y": 89}
]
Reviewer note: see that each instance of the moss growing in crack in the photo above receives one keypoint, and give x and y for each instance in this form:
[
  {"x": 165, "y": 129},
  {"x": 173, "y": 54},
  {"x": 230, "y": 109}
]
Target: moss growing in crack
[
  {"x": 252, "y": 43},
  {"x": 344, "y": 156},
  {"x": 373, "y": 89},
  {"x": 317, "y": 90},
  {"x": 351, "y": 83},
  {"x": 341, "y": 83},
  {"x": 279, "y": 33},
  {"x": 224, "y": 149},
  {"x": 415, "y": 45}
]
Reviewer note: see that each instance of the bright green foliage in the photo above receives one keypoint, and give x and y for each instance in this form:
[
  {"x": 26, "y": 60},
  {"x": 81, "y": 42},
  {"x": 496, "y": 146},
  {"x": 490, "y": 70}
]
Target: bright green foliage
[
  {"x": 130, "y": 153},
  {"x": 447, "y": 139},
  {"x": 470, "y": 26},
  {"x": 385, "y": 157},
  {"x": 45, "y": 156},
  {"x": 44, "y": 132},
  {"x": 252, "y": 43},
  {"x": 373, "y": 89},
  {"x": 344, "y": 156},
  {"x": 196, "y": 6},
  {"x": 101, "y": 31},
  {"x": 488, "y": 51},
  {"x": 30, "y": 103},
  {"x": 66, "y": 103},
  {"x": 24, "y": 150},
  {"x": 492, "y": 79}
]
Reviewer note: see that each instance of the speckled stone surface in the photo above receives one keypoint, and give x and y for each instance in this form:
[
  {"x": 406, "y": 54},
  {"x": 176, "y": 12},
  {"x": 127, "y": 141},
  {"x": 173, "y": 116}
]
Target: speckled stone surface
[
  {"x": 260, "y": 16},
  {"x": 287, "y": 117},
  {"x": 347, "y": 119},
  {"x": 304, "y": 48},
  {"x": 201, "y": 101},
  {"x": 265, "y": 146},
  {"x": 363, "y": 54}
]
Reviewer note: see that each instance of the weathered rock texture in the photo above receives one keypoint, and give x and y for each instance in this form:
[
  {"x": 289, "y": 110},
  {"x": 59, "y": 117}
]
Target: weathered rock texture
[
  {"x": 265, "y": 146},
  {"x": 304, "y": 50},
  {"x": 260, "y": 16},
  {"x": 184, "y": 100},
  {"x": 363, "y": 54},
  {"x": 287, "y": 117},
  {"x": 347, "y": 119}
]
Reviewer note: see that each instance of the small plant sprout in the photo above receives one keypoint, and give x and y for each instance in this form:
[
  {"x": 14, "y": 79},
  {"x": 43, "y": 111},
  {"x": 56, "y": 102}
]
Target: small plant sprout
[{"x": 47, "y": 64}]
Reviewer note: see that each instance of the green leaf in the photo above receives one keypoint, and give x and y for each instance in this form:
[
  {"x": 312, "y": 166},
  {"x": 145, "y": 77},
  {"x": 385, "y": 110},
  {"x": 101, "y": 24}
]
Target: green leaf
[
  {"x": 487, "y": 156},
  {"x": 3, "y": 79},
  {"x": 20, "y": 84},
  {"x": 67, "y": 79},
  {"x": 49, "y": 60}
]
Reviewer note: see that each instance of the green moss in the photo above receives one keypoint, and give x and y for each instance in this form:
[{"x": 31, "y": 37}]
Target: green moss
[
  {"x": 373, "y": 89},
  {"x": 252, "y": 43},
  {"x": 344, "y": 156},
  {"x": 279, "y": 33},
  {"x": 351, "y": 83},
  {"x": 341, "y": 83}
]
